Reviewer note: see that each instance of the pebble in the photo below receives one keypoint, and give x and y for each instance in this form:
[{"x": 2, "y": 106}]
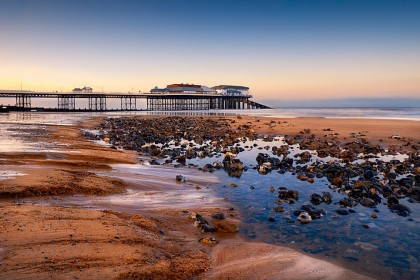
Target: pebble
[
  {"x": 208, "y": 240},
  {"x": 342, "y": 211},
  {"x": 304, "y": 218}
]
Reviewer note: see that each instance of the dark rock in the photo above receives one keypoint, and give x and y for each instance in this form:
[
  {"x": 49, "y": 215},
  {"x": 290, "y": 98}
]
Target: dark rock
[
  {"x": 327, "y": 197},
  {"x": 392, "y": 200},
  {"x": 368, "y": 175},
  {"x": 367, "y": 202},
  {"x": 218, "y": 216},
  {"x": 285, "y": 194},
  {"x": 208, "y": 228},
  {"x": 342, "y": 212},
  {"x": 348, "y": 202},
  {"x": 401, "y": 210},
  {"x": 180, "y": 178},
  {"x": 271, "y": 219},
  {"x": 305, "y": 156},
  {"x": 278, "y": 209},
  {"x": 315, "y": 199}
]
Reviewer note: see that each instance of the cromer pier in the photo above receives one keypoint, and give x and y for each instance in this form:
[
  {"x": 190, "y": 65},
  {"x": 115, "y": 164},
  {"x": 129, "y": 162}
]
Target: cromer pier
[{"x": 175, "y": 97}]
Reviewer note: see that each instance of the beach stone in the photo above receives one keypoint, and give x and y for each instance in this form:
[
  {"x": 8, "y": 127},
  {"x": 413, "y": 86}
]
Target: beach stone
[
  {"x": 367, "y": 202},
  {"x": 285, "y": 194},
  {"x": 401, "y": 210},
  {"x": 315, "y": 199},
  {"x": 208, "y": 240},
  {"x": 342, "y": 212},
  {"x": 208, "y": 168},
  {"x": 304, "y": 218},
  {"x": 180, "y": 178},
  {"x": 368, "y": 175},
  {"x": 232, "y": 164},
  {"x": 348, "y": 202},
  {"x": 305, "y": 156},
  {"x": 392, "y": 200},
  {"x": 262, "y": 158},
  {"x": 271, "y": 189},
  {"x": 278, "y": 209},
  {"x": 218, "y": 216},
  {"x": 326, "y": 197},
  {"x": 208, "y": 228}
]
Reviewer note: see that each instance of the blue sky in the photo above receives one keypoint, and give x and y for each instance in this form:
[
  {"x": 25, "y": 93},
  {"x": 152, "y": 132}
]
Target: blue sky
[{"x": 281, "y": 49}]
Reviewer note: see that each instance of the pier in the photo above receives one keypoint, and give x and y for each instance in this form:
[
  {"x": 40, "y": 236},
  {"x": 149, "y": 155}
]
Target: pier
[{"x": 97, "y": 102}]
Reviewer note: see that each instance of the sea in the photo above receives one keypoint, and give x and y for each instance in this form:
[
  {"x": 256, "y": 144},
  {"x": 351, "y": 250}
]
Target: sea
[{"x": 388, "y": 249}]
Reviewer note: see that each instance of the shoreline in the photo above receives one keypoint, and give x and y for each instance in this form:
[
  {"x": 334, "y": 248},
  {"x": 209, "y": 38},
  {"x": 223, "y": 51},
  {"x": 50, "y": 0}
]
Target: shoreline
[{"x": 91, "y": 159}]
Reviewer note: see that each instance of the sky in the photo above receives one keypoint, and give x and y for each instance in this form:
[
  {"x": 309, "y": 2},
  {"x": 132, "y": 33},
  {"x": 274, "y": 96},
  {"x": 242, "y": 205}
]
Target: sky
[{"x": 280, "y": 49}]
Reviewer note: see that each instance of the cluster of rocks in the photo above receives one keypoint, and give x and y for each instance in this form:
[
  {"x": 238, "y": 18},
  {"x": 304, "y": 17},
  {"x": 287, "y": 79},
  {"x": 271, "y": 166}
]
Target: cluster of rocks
[
  {"x": 367, "y": 184},
  {"x": 220, "y": 224},
  {"x": 151, "y": 136}
]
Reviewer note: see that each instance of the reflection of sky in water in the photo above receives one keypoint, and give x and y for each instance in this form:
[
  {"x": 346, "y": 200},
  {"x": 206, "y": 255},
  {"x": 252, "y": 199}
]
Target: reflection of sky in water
[{"x": 388, "y": 249}]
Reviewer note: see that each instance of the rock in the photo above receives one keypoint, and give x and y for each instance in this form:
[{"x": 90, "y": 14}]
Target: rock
[
  {"x": 285, "y": 194},
  {"x": 367, "y": 202},
  {"x": 262, "y": 158},
  {"x": 327, "y": 197},
  {"x": 208, "y": 228},
  {"x": 368, "y": 175},
  {"x": 233, "y": 185},
  {"x": 401, "y": 210},
  {"x": 218, "y": 216},
  {"x": 392, "y": 200},
  {"x": 271, "y": 189},
  {"x": 263, "y": 169},
  {"x": 278, "y": 209},
  {"x": 208, "y": 240},
  {"x": 271, "y": 219},
  {"x": 226, "y": 226},
  {"x": 366, "y": 226},
  {"x": 337, "y": 181},
  {"x": 374, "y": 216},
  {"x": 304, "y": 218},
  {"x": 199, "y": 220},
  {"x": 232, "y": 164},
  {"x": 305, "y": 156},
  {"x": 208, "y": 168},
  {"x": 348, "y": 202},
  {"x": 342, "y": 212},
  {"x": 180, "y": 178},
  {"x": 315, "y": 199}
]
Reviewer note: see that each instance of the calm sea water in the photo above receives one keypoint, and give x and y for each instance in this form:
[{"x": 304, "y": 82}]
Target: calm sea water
[
  {"x": 370, "y": 113},
  {"x": 388, "y": 249}
]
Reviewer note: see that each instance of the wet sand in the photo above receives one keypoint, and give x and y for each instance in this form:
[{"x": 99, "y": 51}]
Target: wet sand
[{"x": 40, "y": 241}]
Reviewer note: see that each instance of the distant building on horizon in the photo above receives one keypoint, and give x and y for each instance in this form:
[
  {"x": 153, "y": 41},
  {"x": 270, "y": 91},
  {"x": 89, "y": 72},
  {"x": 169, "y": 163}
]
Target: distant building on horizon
[{"x": 83, "y": 90}]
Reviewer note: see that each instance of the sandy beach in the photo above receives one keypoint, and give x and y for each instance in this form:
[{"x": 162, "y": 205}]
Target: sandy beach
[{"x": 45, "y": 241}]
